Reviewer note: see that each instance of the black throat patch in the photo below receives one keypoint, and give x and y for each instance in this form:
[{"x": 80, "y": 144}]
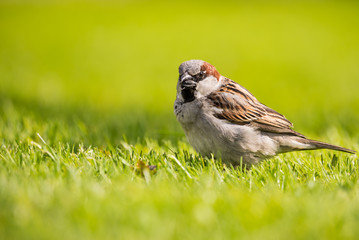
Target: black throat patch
[{"x": 188, "y": 94}]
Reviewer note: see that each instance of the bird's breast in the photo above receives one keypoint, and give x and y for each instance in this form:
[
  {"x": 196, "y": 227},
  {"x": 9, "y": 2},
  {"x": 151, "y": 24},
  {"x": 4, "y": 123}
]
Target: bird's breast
[{"x": 187, "y": 112}]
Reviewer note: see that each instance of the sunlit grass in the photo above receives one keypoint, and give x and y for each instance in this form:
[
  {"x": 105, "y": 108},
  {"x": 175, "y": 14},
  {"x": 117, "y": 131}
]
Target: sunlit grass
[{"x": 66, "y": 177}]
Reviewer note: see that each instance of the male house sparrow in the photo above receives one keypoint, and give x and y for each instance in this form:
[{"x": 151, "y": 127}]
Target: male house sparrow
[{"x": 221, "y": 117}]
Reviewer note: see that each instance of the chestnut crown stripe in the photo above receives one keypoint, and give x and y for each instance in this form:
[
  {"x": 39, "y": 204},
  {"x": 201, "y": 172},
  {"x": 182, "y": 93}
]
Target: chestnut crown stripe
[{"x": 210, "y": 70}]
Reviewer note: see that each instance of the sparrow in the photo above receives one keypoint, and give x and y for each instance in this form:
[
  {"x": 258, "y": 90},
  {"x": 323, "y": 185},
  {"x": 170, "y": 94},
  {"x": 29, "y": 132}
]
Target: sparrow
[{"x": 222, "y": 118}]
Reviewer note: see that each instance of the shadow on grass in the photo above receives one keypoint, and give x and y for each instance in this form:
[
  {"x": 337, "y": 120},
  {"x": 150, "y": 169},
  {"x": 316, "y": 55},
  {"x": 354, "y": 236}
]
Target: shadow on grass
[{"x": 21, "y": 120}]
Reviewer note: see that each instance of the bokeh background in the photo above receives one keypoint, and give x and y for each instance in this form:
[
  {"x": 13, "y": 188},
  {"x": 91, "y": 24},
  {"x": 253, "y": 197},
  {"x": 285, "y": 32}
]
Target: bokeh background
[
  {"x": 86, "y": 101},
  {"x": 108, "y": 69}
]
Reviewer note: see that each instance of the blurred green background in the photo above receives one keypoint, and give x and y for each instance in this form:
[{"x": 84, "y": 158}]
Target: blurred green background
[
  {"x": 97, "y": 81},
  {"x": 120, "y": 58}
]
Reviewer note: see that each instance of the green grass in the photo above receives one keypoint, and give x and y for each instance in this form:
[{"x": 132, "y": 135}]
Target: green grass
[
  {"x": 74, "y": 190},
  {"x": 86, "y": 97}
]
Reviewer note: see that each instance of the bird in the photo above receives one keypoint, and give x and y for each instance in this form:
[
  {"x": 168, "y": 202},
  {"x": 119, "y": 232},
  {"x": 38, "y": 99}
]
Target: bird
[{"x": 221, "y": 118}]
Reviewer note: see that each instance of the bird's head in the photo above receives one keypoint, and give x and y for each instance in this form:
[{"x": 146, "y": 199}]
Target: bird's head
[{"x": 196, "y": 78}]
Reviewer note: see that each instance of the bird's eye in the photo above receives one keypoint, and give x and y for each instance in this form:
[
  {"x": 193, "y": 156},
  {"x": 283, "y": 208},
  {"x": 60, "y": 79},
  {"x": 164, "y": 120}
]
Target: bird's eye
[{"x": 201, "y": 75}]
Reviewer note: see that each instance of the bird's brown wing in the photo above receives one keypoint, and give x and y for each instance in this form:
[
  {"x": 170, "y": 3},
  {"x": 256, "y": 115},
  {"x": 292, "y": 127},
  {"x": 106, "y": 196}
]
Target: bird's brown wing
[{"x": 237, "y": 105}]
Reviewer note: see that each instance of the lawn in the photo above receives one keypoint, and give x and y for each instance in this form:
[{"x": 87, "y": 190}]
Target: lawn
[{"x": 86, "y": 97}]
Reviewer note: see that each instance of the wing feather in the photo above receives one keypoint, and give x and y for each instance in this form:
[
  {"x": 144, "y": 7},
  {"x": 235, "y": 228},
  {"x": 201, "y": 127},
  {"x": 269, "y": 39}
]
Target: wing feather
[{"x": 237, "y": 105}]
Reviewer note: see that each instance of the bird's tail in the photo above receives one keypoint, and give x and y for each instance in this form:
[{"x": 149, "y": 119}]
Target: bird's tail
[{"x": 322, "y": 145}]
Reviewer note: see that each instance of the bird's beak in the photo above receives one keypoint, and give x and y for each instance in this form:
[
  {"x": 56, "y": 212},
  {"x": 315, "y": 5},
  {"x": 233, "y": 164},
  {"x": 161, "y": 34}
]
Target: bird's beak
[{"x": 187, "y": 81}]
